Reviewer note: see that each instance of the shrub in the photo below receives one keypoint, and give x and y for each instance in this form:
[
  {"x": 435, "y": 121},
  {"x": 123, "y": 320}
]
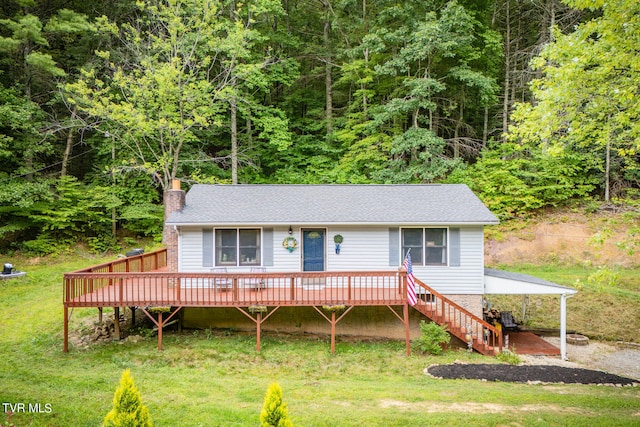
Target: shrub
[
  {"x": 274, "y": 411},
  {"x": 128, "y": 410},
  {"x": 432, "y": 338},
  {"x": 510, "y": 357}
]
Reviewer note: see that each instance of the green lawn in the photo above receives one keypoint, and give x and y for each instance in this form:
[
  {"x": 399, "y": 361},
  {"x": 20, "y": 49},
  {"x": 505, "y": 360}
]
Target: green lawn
[{"x": 211, "y": 378}]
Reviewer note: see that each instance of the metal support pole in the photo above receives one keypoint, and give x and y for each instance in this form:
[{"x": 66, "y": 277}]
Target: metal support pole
[{"x": 563, "y": 325}]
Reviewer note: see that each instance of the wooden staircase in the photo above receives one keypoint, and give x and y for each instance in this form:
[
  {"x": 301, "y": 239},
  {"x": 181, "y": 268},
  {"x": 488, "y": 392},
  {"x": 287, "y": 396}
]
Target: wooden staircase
[{"x": 484, "y": 337}]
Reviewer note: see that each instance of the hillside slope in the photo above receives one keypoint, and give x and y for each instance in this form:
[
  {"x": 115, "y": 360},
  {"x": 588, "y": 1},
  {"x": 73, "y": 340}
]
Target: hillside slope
[
  {"x": 564, "y": 237},
  {"x": 598, "y": 255}
]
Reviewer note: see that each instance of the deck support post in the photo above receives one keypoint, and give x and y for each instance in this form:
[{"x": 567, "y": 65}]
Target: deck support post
[
  {"x": 407, "y": 336},
  {"x": 258, "y": 310},
  {"x": 133, "y": 316},
  {"x": 100, "y": 315},
  {"x": 65, "y": 346},
  {"x": 258, "y": 323},
  {"x": 333, "y": 332},
  {"x": 333, "y": 322},
  {"x": 116, "y": 323},
  {"x": 160, "y": 325}
]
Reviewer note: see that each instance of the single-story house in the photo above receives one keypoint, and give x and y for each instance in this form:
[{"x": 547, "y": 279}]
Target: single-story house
[
  {"x": 239, "y": 255},
  {"x": 285, "y": 228},
  {"x": 339, "y": 228}
]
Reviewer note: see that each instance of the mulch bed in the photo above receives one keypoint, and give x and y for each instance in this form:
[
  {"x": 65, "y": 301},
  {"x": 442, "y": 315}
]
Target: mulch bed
[{"x": 527, "y": 374}]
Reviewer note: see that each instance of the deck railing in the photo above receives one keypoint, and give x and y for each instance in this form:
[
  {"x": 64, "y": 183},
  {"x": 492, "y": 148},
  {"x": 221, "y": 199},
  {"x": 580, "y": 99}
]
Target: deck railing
[
  {"x": 135, "y": 264},
  {"x": 141, "y": 281},
  {"x": 104, "y": 288}
]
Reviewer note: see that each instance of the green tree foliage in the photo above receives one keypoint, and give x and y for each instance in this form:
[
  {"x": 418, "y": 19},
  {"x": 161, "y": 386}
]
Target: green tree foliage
[
  {"x": 128, "y": 410},
  {"x": 307, "y": 91},
  {"x": 587, "y": 98},
  {"x": 513, "y": 181},
  {"x": 274, "y": 411},
  {"x": 33, "y": 59},
  {"x": 182, "y": 64},
  {"x": 420, "y": 76}
]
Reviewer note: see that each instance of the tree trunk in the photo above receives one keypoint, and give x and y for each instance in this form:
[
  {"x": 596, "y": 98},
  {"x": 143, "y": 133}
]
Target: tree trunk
[
  {"x": 234, "y": 110},
  {"x": 507, "y": 70},
  {"x": 234, "y": 141},
  {"x": 365, "y": 99},
  {"x": 327, "y": 70},
  {"x": 485, "y": 127},
  {"x": 607, "y": 171},
  {"x": 69, "y": 146}
]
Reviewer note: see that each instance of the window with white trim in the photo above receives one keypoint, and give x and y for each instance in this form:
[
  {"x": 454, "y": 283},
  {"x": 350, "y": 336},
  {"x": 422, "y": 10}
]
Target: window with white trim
[
  {"x": 428, "y": 245},
  {"x": 237, "y": 246}
]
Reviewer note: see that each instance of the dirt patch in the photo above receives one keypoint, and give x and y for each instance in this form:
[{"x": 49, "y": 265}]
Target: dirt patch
[
  {"x": 565, "y": 237},
  {"x": 475, "y": 408}
]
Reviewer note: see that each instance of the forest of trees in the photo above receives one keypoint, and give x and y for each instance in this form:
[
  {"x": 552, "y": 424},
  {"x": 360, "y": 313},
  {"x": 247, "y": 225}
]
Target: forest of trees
[{"x": 532, "y": 103}]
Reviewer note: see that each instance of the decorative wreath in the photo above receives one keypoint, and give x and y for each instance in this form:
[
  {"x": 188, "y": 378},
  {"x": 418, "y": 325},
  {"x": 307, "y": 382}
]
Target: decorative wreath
[{"x": 290, "y": 243}]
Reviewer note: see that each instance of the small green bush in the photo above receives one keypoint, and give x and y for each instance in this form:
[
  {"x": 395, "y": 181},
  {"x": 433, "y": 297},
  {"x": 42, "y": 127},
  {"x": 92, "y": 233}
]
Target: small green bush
[
  {"x": 508, "y": 356},
  {"x": 128, "y": 410},
  {"x": 432, "y": 338},
  {"x": 274, "y": 411}
]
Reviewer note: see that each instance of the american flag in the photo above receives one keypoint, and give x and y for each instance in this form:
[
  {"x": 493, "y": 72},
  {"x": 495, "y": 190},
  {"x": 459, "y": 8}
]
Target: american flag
[{"x": 412, "y": 299}]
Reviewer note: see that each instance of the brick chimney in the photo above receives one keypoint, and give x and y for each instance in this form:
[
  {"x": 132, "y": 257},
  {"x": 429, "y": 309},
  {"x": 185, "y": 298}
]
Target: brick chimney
[{"x": 174, "y": 200}]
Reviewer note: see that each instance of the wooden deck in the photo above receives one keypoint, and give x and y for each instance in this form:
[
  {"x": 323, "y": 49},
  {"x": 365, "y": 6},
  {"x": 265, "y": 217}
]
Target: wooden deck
[
  {"x": 233, "y": 289},
  {"x": 142, "y": 281}
]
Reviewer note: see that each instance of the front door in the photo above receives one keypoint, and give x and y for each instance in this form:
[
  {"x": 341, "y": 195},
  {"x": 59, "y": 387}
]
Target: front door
[{"x": 313, "y": 249}]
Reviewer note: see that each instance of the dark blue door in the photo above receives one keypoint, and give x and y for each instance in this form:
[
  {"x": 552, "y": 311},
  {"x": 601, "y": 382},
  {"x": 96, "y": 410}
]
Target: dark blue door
[{"x": 313, "y": 250}]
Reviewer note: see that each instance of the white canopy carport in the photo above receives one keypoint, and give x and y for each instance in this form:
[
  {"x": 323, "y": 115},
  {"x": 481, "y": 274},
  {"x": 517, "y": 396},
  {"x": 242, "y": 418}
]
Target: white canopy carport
[{"x": 497, "y": 282}]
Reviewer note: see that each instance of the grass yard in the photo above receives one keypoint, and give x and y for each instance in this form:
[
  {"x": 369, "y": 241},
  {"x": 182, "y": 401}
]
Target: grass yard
[{"x": 211, "y": 378}]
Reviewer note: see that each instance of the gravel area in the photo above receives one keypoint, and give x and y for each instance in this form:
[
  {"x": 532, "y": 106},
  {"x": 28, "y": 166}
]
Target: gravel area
[{"x": 620, "y": 359}]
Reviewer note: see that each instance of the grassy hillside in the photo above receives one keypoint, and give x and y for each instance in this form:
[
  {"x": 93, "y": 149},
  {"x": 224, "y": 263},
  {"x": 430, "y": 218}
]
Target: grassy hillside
[
  {"x": 595, "y": 253},
  {"x": 206, "y": 378}
]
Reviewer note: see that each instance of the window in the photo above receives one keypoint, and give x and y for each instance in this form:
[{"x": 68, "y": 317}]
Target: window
[
  {"x": 428, "y": 245},
  {"x": 237, "y": 247},
  {"x": 413, "y": 239},
  {"x": 435, "y": 246}
]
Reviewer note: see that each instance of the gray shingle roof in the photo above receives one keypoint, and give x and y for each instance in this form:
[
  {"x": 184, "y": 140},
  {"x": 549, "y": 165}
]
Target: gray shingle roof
[{"x": 332, "y": 204}]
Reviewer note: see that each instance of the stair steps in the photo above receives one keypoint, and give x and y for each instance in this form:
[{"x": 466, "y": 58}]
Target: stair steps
[{"x": 461, "y": 323}]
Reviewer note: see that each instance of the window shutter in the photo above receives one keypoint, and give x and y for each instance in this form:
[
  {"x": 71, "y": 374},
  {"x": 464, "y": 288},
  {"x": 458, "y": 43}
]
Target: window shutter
[
  {"x": 454, "y": 247},
  {"x": 267, "y": 247},
  {"x": 394, "y": 247},
  {"x": 207, "y": 247}
]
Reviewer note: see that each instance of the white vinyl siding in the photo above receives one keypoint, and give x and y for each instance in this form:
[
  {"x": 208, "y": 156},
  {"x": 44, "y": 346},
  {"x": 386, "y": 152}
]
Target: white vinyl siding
[
  {"x": 365, "y": 248},
  {"x": 191, "y": 250}
]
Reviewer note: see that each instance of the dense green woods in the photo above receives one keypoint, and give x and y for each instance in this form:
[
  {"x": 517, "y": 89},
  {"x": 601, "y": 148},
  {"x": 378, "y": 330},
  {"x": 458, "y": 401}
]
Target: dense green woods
[{"x": 102, "y": 104}]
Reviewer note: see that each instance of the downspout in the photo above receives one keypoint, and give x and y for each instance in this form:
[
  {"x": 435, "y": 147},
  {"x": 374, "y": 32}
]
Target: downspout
[{"x": 563, "y": 325}]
